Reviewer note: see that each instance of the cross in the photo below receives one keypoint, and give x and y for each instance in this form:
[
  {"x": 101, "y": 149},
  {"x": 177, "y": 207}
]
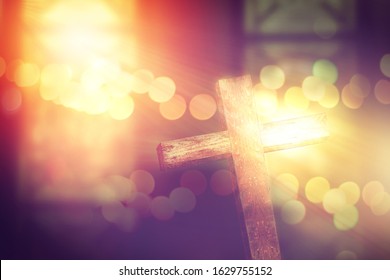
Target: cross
[{"x": 246, "y": 140}]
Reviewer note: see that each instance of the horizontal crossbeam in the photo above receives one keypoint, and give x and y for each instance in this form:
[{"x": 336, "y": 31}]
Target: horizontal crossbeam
[{"x": 276, "y": 136}]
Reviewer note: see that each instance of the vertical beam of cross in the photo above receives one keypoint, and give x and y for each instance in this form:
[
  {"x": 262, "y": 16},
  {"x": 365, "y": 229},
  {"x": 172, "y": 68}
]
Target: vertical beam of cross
[
  {"x": 247, "y": 150},
  {"x": 246, "y": 140}
]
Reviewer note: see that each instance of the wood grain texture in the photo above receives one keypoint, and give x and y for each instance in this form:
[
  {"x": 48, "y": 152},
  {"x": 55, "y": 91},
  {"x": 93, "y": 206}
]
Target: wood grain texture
[
  {"x": 275, "y": 136},
  {"x": 248, "y": 156}
]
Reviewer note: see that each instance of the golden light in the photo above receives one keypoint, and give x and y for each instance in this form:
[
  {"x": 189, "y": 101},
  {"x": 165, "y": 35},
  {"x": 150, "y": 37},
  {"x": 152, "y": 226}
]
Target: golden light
[
  {"x": 265, "y": 100},
  {"x": 26, "y": 74},
  {"x": 334, "y": 201},
  {"x": 161, "y": 208},
  {"x": 325, "y": 70},
  {"x": 385, "y": 65},
  {"x": 143, "y": 180},
  {"x": 380, "y": 203},
  {"x": 202, "y": 107},
  {"x": 293, "y": 212},
  {"x": 370, "y": 190},
  {"x": 346, "y": 218},
  {"x": 121, "y": 108},
  {"x": 77, "y": 30},
  {"x": 331, "y": 97},
  {"x": 295, "y": 132},
  {"x": 285, "y": 188},
  {"x": 100, "y": 72},
  {"x": 142, "y": 80},
  {"x": 174, "y": 108},
  {"x": 162, "y": 89},
  {"x": 69, "y": 96},
  {"x": 382, "y": 91},
  {"x": 313, "y": 88},
  {"x": 95, "y": 102},
  {"x": 351, "y": 191},
  {"x": 194, "y": 180},
  {"x": 55, "y": 78},
  {"x": 316, "y": 188},
  {"x": 272, "y": 77},
  {"x": 120, "y": 86},
  {"x": 123, "y": 187},
  {"x": 182, "y": 199},
  {"x": 296, "y": 100}
]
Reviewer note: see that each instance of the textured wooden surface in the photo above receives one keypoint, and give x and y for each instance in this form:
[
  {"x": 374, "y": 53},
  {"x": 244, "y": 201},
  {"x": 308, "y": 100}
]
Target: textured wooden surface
[
  {"x": 245, "y": 141},
  {"x": 275, "y": 136},
  {"x": 247, "y": 151}
]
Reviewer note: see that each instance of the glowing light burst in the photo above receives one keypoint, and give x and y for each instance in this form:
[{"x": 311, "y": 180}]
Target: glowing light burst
[
  {"x": 83, "y": 56},
  {"x": 298, "y": 131},
  {"x": 76, "y": 30}
]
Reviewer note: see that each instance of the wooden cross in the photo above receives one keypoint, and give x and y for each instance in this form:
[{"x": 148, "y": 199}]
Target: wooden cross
[{"x": 246, "y": 140}]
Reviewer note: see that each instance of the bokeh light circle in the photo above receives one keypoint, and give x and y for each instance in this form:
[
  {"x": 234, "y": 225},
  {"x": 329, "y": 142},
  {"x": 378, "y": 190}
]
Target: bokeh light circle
[
  {"x": 272, "y": 76},
  {"x": 346, "y": 255},
  {"x": 162, "y": 89},
  {"x": 370, "y": 190},
  {"x": 221, "y": 182},
  {"x": 265, "y": 100},
  {"x": 382, "y": 91},
  {"x": 316, "y": 188},
  {"x": 11, "y": 100},
  {"x": 296, "y": 100},
  {"x": 121, "y": 86},
  {"x": 143, "y": 180},
  {"x": 334, "y": 201},
  {"x": 313, "y": 88},
  {"x": 182, "y": 199},
  {"x": 55, "y": 80},
  {"x": 202, "y": 107},
  {"x": 26, "y": 74},
  {"x": 325, "y": 70},
  {"x": 174, "y": 108},
  {"x": 385, "y": 65},
  {"x": 351, "y": 191},
  {"x": 293, "y": 212},
  {"x": 352, "y": 97},
  {"x": 360, "y": 85},
  {"x": 12, "y": 68},
  {"x": 142, "y": 80},
  {"x": 161, "y": 208},
  {"x": 194, "y": 180},
  {"x": 346, "y": 218},
  {"x": 122, "y": 187},
  {"x": 285, "y": 188},
  {"x": 141, "y": 203},
  {"x": 331, "y": 97},
  {"x": 112, "y": 211},
  {"x": 380, "y": 203},
  {"x": 121, "y": 108}
]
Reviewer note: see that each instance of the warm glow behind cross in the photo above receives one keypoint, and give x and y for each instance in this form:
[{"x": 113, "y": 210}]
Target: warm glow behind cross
[{"x": 246, "y": 140}]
